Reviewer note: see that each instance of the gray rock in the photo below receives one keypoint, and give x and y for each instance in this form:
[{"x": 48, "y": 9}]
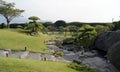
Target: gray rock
[
  {"x": 48, "y": 57},
  {"x": 61, "y": 59},
  {"x": 19, "y": 54},
  {"x": 34, "y": 56},
  {"x": 114, "y": 55},
  {"x": 100, "y": 64},
  {"x": 3, "y": 53},
  {"x": 50, "y": 43},
  {"x": 107, "y": 39}
]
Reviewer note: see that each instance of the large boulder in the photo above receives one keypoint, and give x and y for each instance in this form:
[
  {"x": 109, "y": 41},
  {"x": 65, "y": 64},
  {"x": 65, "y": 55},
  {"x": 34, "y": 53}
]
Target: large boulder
[
  {"x": 114, "y": 55},
  {"x": 107, "y": 39}
]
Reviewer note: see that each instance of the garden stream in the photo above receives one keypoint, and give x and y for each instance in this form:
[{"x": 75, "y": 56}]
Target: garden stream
[{"x": 90, "y": 58}]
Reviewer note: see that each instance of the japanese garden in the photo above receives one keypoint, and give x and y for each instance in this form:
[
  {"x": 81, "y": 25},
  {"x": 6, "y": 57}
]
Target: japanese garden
[{"x": 60, "y": 46}]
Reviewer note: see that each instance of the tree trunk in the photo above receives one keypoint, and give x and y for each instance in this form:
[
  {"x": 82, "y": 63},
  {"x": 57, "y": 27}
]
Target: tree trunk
[{"x": 8, "y": 26}]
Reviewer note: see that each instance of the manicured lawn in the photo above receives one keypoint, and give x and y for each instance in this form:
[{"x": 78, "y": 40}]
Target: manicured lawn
[
  {"x": 16, "y": 40},
  {"x": 22, "y": 65}
]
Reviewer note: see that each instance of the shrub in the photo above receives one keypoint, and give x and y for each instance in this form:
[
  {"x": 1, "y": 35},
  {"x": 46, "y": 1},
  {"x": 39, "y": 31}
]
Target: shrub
[
  {"x": 58, "y": 43},
  {"x": 78, "y": 67},
  {"x": 58, "y": 54},
  {"x": 74, "y": 66}
]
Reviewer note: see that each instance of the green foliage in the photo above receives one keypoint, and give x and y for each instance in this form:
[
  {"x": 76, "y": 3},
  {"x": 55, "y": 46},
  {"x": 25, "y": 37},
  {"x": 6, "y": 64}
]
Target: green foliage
[
  {"x": 2, "y": 25},
  {"x": 60, "y": 23},
  {"x": 58, "y": 54},
  {"x": 51, "y": 28},
  {"x": 35, "y": 27},
  {"x": 86, "y": 36},
  {"x": 46, "y": 24},
  {"x": 74, "y": 66},
  {"x": 80, "y": 67},
  {"x": 64, "y": 29},
  {"x": 116, "y": 25},
  {"x": 34, "y": 18},
  {"x": 72, "y": 29},
  {"x": 100, "y": 29},
  {"x": 9, "y": 11},
  {"x": 68, "y": 30},
  {"x": 58, "y": 43},
  {"x": 110, "y": 25},
  {"x": 22, "y": 65}
]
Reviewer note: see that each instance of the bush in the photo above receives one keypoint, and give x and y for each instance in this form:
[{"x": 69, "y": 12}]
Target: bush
[
  {"x": 78, "y": 67},
  {"x": 68, "y": 41},
  {"x": 58, "y": 43},
  {"x": 74, "y": 66},
  {"x": 58, "y": 54}
]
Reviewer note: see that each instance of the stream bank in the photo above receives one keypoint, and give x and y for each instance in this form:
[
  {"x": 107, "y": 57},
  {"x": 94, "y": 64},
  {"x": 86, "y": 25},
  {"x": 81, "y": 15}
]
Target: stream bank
[{"x": 91, "y": 58}]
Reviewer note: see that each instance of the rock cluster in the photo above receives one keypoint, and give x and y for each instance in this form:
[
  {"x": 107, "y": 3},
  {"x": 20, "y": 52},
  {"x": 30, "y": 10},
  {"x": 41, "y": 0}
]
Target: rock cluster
[
  {"x": 107, "y": 39},
  {"x": 110, "y": 42}
]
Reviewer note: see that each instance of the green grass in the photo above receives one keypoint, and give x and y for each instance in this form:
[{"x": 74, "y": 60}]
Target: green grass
[
  {"x": 55, "y": 35},
  {"x": 16, "y": 39},
  {"x": 22, "y": 65}
]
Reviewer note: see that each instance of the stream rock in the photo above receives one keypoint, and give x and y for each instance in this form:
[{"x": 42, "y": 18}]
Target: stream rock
[
  {"x": 114, "y": 55},
  {"x": 19, "y": 54},
  {"x": 100, "y": 64},
  {"x": 107, "y": 39},
  {"x": 34, "y": 56},
  {"x": 3, "y": 53}
]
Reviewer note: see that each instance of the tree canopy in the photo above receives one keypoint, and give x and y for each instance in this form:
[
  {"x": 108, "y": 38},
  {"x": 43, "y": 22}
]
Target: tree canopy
[
  {"x": 9, "y": 12},
  {"x": 34, "y": 27},
  {"x": 100, "y": 29},
  {"x": 86, "y": 35},
  {"x": 34, "y": 18},
  {"x": 60, "y": 23}
]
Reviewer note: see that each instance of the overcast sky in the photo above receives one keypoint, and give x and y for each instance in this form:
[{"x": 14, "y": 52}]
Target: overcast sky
[{"x": 71, "y": 10}]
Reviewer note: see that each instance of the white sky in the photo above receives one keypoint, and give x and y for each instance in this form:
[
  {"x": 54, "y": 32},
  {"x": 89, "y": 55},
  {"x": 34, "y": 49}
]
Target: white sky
[{"x": 71, "y": 10}]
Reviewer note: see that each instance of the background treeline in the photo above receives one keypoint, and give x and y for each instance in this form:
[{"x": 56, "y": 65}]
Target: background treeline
[{"x": 61, "y": 23}]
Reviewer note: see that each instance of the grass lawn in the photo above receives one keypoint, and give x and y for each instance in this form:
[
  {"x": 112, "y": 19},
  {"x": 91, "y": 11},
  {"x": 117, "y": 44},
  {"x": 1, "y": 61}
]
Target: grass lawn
[
  {"x": 22, "y": 65},
  {"x": 16, "y": 40},
  {"x": 68, "y": 35}
]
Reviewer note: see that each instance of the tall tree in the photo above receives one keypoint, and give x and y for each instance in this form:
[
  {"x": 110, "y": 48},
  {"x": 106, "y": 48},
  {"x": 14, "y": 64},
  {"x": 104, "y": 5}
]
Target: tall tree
[
  {"x": 60, "y": 23},
  {"x": 9, "y": 12}
]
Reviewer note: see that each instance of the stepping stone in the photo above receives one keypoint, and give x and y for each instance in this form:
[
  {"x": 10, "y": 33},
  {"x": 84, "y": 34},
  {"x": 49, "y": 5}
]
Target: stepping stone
[
  {"x": 60, "y": 59},
  {"x": 19, "y": 54},
  {"x": 34, "y": 56},
  {"x": 3, "y": 53},
  {"x": 48, "y": 57}
]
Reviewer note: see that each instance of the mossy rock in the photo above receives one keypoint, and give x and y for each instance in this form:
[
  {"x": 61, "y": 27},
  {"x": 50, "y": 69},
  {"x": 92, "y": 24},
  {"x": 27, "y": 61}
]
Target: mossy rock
[{"x": 114, "y": 55}]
